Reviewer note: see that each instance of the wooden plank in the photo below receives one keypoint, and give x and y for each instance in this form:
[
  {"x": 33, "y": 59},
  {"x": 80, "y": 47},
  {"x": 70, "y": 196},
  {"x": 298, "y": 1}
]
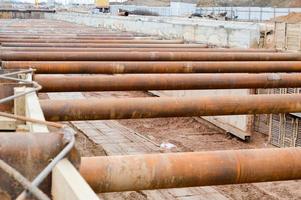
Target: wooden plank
[
  {"x": 7, "y": 124},
  {"x": 19, "y": 104},
  {"x": 33, "y": 110},
  {"x": 244, "y": 135},
  {"x": 67, "y": 183}
]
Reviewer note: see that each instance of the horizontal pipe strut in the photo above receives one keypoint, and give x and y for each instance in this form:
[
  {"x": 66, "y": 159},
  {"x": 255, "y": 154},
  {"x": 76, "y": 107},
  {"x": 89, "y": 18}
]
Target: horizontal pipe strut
[
  {"x": 82, "y": 67},
  {"x": 78, "y": 49},
  {"x": 66, "y": 39},
  {"x": 71, "y": 36},
  {"x": 153, "y": 107},
  {"x": 158, "y": 171},
  {"x": 101, "y": 41},
  {"x": 108, "y": 45},
  {"x": 62, "y": 83},
  {"x": 148, "y": 56}
]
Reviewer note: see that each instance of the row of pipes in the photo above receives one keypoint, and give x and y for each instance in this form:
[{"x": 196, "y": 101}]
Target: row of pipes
[{"x": 128, "y": 61}]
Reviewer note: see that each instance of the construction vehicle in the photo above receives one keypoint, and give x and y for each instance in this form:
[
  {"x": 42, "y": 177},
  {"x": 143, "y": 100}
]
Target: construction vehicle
[
  {"x": 36, "y": 2},
  {"x": 102, "y": 5}
]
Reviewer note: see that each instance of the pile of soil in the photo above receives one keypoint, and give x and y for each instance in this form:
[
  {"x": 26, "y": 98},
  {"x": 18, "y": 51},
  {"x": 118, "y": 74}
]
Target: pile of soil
[
  {"x": 250, "y": 3},
  {"x": 291, "y": 18},
  {"x": 203, "y": 3}
]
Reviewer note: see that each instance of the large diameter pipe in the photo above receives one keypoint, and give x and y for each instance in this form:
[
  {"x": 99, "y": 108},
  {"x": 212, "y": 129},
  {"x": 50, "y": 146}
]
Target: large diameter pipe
[
  {"x": 66, "y": 39},
  {"x": 183, "y": 49},
  {"x": 159, "y": 171},
  {"x": 134, "y": 108},
  {"x": 101, "y": 41},
  {"x": 29, "y": 153},
  {"x": 148, "y": 56},
  {"x": 62, "y": 83},
  {"x": 48, "y": 67},
  {"x": 108, "y": 45},
  {"x": 72, "y": 36}
]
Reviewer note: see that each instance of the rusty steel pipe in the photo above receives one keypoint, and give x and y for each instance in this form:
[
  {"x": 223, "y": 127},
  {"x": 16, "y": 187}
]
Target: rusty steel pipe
[
  {"x": 134, "y": 108},
  {"x": 108, "y": 45},
  {"x": 62, "y": 83},
  {"x": 29, "y": 153},
  {"x": 63, "y": 49},
  {"x": 67, "y": 39},
  {"x": 159, "y": 171},
  {"x": 116, "y": 40},
  {"x": 64, "y": 67},
  {"x": 148, "y": 56},
  {"x": 72, "y": 36}
]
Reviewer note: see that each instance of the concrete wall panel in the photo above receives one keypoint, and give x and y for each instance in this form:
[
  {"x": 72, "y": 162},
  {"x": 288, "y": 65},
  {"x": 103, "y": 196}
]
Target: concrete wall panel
[{"x": 220, "y": 33}]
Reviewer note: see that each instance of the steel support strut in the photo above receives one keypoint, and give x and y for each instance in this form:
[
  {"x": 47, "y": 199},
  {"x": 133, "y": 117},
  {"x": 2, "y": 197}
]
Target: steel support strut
[
  {"x": 61, "y": 83},
  {"x": 153, "y": 107},
  {"x": 158, "y": 171}
]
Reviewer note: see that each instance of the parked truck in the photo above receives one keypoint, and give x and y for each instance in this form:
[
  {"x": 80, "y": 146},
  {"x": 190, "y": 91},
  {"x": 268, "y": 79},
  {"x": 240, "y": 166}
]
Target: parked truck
[{"x": 103, "y": 5}]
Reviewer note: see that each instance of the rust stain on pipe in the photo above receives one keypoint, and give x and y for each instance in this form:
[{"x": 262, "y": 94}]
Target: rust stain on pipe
[
  {"x": 148, "y": 56},
  {"x": 82, "y": 67},
  {"x": 158, "y": 171},
  {"x": 134, "y": 108},
  {"x": 61, "y": 83},
  {"x": 28, "y": 153}
]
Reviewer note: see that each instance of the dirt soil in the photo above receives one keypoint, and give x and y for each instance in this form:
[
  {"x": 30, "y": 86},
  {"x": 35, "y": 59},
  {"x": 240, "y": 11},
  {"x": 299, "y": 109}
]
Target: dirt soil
[
  {"x": 86, "y": 147},
  {"x": 203, "y": 3},
  {"x": 291, "y": 18}
]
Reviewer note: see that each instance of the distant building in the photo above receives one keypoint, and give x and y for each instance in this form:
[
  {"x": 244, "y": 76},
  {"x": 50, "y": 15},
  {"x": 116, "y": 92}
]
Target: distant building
[{"x": 180, "y": 8}]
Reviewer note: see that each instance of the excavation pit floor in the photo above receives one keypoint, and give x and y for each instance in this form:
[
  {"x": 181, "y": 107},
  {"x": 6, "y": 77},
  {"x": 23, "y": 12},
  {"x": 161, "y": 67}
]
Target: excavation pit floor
[{"x": 145, "y": 136}]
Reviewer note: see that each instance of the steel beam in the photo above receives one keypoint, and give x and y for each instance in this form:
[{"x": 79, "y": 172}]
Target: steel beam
[
  {"x": 158, "y": 171},
  {"x": 148, "y": 56},
  {"x": 154, "y": 107},
  {"x": 144, "y": 82},
  {"x": 65, "y": 67}
]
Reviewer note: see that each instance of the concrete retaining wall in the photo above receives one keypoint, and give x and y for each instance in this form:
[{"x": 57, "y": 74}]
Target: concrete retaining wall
[
  {"x": 23, "y": 14},
  {"x": 220, "y": 33}
]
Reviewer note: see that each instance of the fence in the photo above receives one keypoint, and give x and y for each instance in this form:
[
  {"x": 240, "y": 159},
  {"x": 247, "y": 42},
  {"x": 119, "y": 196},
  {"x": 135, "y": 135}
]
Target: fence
[
  {"x": 249, "y": 13},
  {"x": 240, "y": 13}
]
